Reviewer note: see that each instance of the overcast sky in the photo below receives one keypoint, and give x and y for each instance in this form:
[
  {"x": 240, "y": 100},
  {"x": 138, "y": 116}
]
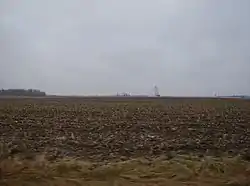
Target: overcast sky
[{"x": 185, "y": 47}]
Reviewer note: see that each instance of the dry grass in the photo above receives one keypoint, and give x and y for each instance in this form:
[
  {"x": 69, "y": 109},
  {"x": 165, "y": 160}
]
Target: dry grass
[{"x": 181, "y": 170}]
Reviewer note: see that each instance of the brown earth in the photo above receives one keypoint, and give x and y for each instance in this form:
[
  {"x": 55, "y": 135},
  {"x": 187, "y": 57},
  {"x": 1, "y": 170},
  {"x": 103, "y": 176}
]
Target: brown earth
[
  {"x": 99, "y": 129},
  {"x": 124, "y": 141}
]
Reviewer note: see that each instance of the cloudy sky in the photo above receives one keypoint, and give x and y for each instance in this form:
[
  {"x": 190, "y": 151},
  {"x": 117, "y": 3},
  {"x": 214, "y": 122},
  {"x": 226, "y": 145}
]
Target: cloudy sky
[{"x": 185, "y": 47}]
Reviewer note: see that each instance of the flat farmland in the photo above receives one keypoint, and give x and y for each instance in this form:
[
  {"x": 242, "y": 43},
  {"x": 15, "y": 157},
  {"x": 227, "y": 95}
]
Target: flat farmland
[
  {"x": 99, "y": 141},
  {"x": 121, "y": 128}
]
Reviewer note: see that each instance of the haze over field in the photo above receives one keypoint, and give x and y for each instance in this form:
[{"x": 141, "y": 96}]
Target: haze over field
[{"x": 187, "y": 48}]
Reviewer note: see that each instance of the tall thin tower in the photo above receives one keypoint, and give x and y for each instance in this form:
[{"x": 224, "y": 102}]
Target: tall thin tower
[{"x": 157, "y": 94}]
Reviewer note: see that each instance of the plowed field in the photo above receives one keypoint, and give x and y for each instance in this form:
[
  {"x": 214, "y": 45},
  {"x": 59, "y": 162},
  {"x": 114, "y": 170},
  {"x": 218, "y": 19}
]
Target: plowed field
[{"x": 100, "y": 129}]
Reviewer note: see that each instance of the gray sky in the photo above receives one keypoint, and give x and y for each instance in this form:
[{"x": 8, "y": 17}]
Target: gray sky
[{"x": 186, "y": 47}]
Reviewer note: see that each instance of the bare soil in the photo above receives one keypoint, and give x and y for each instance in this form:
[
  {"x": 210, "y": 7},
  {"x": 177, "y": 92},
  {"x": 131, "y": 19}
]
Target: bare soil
[
  {"x": 97, "y": 141},
  {"x": 100, "y": 129}
]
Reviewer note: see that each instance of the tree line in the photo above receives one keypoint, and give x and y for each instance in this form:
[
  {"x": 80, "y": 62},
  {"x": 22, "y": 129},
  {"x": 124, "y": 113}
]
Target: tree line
[{"x": 21, "y": 92}]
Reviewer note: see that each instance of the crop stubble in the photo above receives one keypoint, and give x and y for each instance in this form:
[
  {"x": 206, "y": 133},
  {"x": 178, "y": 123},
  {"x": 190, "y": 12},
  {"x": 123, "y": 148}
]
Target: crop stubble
[{"x": 112, "y": 128}]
